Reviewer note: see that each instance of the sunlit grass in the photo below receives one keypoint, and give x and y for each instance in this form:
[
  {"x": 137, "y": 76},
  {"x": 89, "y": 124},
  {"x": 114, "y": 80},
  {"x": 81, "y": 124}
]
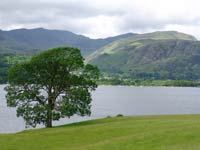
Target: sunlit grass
[{"x": 178, "y": 132}]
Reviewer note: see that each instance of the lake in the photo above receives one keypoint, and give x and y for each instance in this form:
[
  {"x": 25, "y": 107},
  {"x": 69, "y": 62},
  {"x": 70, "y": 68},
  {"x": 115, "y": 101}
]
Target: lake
[{"x": 113, "y": 100}]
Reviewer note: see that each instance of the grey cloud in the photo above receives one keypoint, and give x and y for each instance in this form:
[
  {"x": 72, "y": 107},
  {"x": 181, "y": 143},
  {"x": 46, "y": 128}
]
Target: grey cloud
[
  {"x": 51, "y": 14},
  {"x": 72, "y": 8},
  {"x": 73, "y": 15},
  {"x": 143, "y": 23}
]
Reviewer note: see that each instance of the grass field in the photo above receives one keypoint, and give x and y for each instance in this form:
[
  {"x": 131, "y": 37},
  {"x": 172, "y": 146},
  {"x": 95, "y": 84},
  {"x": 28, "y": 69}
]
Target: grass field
[{"x": 176, "y": 132}]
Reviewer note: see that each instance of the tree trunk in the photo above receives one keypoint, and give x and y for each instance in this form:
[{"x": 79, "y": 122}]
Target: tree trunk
[
  {"x": 49, "y": 119},
  {"x": 49, "y": 113}
]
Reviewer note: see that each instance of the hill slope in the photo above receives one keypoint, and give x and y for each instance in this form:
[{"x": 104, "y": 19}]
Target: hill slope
[
  {"x": 138, "y": 133},
  {"x": 158, "y": 55},
  {"x": 34, "y": 40}
]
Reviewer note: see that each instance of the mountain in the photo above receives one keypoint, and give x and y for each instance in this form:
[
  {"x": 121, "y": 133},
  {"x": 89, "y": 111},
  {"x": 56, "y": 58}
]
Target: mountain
[
  {"x": 34, "y": 40},
  {"x": 158, "y": 55}
]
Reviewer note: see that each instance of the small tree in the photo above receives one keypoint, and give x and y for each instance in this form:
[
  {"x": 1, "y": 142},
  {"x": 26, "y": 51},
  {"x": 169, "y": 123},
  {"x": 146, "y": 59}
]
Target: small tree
[{"x": 52, "y": 85}]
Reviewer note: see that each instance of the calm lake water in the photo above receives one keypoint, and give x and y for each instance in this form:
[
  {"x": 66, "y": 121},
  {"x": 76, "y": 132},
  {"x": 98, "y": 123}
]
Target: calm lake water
[{"x": 113, "y": 100}]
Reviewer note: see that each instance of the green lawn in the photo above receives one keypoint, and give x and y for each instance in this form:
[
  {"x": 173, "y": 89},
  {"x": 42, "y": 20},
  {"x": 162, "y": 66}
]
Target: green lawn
[{"x": 177, "y": 132}]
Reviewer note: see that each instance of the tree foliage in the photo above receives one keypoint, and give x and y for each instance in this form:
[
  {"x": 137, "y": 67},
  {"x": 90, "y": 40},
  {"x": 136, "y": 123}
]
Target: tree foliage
[{"x": 52, "y": 85}]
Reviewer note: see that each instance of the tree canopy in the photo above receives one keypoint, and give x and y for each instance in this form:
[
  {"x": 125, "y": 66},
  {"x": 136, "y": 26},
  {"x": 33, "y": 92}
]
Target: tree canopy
[{"x": 52, "y": 85}]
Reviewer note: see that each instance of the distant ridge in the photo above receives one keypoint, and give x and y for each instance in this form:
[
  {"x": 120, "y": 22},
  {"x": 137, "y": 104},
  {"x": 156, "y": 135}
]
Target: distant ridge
[{"x": 35, "y": 40}]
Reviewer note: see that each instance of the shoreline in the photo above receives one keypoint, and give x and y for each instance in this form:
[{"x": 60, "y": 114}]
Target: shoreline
[{"x": 108, "y": 117}]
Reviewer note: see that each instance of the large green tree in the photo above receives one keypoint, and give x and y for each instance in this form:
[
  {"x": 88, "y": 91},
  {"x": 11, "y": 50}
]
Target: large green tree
[{"x": 52, "y": 85}]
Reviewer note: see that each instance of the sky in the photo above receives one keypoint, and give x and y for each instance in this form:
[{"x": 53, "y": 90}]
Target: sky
[{"x": 102, "y": 18}]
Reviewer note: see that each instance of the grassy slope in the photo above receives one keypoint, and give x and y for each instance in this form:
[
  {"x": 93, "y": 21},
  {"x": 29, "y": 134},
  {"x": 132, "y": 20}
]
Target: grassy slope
[{"x": 181, "y": 132}]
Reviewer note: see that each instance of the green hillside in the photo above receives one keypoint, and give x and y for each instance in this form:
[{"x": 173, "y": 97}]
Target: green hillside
[
  {"x": 141, "y": 39},
  {"x": 164, "y": 35},
  {"x": 20, "y": 44},
  {"x": 181, "y": 132},
  {"x": 158, "y": 55}
]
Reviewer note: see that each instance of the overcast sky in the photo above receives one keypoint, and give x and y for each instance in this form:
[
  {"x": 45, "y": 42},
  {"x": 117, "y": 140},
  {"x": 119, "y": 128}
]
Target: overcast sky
[{"x": 102, "y": 18}]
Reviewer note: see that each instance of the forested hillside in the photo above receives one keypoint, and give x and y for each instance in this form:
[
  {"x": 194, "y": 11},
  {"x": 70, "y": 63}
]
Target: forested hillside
[{"x": 158, "y": 55}]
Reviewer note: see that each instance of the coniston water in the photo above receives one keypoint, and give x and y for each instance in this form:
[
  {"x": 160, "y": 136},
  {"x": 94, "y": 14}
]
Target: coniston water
[{"x": 113, "y": 100}]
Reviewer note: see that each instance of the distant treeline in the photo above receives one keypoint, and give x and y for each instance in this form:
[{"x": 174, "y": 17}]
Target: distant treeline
[
  {"x": 149, "y": 82},
  {"x": 3, "y": 68},
  {"x": 6, "y": 61}
]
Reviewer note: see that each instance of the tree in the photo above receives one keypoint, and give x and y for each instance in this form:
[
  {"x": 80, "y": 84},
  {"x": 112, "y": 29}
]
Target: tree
[{"x": 52, "y": 85}]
